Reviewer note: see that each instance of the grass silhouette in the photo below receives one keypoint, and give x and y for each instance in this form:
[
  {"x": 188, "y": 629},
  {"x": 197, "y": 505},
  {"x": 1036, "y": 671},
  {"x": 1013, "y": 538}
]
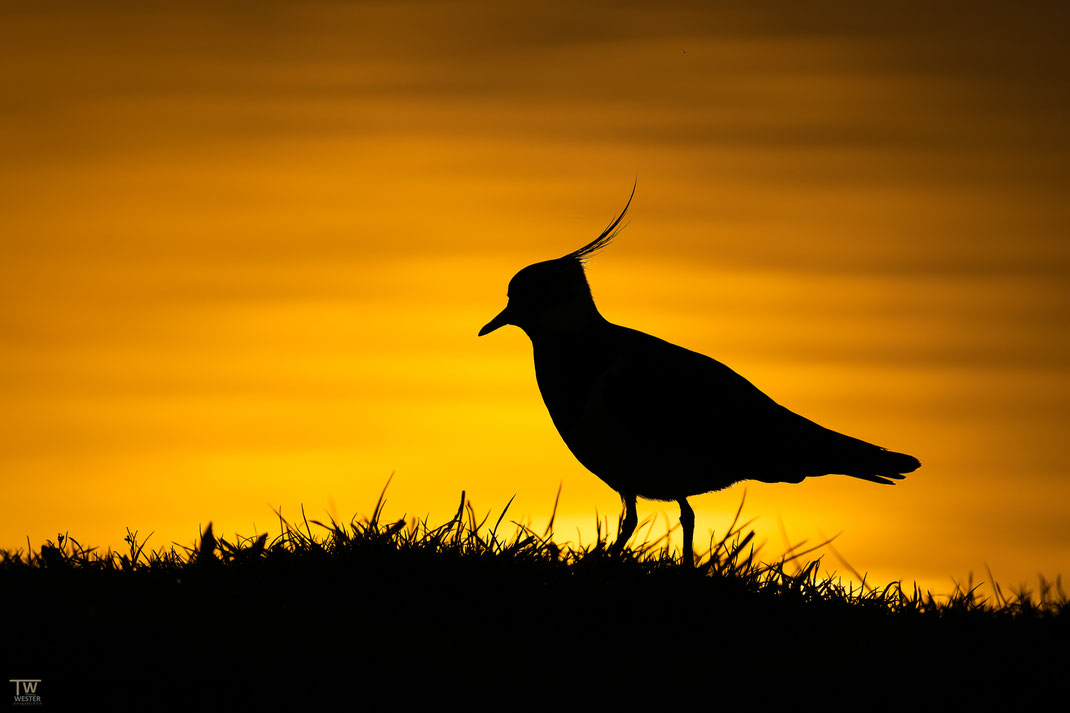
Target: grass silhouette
[{"x": 228, "y": 622}]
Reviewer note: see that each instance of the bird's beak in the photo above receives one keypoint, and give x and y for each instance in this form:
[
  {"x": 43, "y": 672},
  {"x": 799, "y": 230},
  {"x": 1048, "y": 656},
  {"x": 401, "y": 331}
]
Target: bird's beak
[{"x": 500, "y": 321}]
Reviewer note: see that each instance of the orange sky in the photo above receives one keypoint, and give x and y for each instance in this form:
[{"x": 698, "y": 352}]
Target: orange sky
[{"x": 245, "y": 249}]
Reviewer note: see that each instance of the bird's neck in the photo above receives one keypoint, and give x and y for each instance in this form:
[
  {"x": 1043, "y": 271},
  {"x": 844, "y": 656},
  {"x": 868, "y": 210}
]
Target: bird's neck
[
  {"x": 568, "y": 326},
  {"x": 570, "y": 347}
]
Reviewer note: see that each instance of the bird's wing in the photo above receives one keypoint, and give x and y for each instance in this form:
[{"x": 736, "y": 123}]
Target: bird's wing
[
  {"x": 677, "y": 404},
  {"x": 675, "y": 407}
]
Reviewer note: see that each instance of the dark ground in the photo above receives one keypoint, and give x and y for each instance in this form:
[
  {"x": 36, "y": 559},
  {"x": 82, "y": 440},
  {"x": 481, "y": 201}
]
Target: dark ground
[{"x": 372, "y": 617}]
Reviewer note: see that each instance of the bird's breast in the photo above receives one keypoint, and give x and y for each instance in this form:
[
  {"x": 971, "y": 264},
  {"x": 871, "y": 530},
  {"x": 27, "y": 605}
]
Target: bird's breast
[{"x": 574, "y": 391}]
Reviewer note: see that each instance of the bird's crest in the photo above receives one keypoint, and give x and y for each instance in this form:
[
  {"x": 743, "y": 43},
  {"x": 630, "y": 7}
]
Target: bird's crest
[{"x": 604, "y": 239}]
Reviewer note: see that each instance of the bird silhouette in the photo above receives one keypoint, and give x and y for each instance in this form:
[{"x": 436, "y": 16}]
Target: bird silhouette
[{"x": 658, "y": 421}]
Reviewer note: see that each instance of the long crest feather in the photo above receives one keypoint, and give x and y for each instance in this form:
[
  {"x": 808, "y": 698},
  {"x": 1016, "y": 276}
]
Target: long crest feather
[{"x": 607, "y": 235}]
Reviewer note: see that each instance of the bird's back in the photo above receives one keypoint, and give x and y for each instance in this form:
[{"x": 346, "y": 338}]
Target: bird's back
[{"x": 657, "y": 420}]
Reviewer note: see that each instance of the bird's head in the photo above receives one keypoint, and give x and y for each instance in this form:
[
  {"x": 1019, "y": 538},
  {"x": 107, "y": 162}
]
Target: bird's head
[{"x": 553, "y": 296}]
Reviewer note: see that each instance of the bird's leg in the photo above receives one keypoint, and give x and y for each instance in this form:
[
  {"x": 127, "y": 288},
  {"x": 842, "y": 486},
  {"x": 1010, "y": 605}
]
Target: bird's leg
[
  {"x": 627, "y": 525},
  {"x": 687, "y": 520}
]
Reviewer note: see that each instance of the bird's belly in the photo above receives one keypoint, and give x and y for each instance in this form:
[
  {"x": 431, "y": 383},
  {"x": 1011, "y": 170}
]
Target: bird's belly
[{"x": 634, "y": 454}]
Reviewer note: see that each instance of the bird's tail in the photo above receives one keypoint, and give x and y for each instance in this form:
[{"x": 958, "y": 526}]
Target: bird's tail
[{"x": 885, "y": 467}]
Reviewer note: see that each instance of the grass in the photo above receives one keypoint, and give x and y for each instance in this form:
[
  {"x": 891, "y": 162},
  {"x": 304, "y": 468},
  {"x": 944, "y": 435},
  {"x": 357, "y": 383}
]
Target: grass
[{"x": 466, "y": 600}]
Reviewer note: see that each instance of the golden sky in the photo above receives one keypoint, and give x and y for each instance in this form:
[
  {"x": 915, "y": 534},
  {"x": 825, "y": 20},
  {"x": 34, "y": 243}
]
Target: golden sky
[{"x": 245, "y": 249}]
